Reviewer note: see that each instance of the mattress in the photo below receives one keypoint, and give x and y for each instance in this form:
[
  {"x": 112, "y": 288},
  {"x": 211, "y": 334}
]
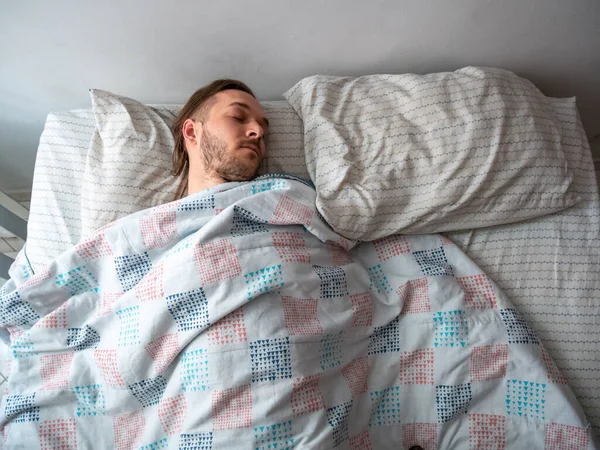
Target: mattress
[{"x": 549, "y": 267}]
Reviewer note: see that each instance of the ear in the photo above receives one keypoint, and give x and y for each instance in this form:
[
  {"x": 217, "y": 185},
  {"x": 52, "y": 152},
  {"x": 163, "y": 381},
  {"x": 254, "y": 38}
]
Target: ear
[{"x": 191, "y": 131}]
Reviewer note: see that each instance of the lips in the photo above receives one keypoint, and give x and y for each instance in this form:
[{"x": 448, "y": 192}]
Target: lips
[{"x": 253, "y": 148}]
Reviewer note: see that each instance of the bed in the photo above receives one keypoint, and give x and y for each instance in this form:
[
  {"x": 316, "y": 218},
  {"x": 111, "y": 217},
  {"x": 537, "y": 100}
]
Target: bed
[{"x": 548, "y": 266}]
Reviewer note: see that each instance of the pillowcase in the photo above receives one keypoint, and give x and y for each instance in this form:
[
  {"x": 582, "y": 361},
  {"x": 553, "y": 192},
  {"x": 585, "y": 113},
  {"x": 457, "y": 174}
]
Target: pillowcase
[
  {"x": 431, "y": 153},
  {"x": 128, "y": 166}
]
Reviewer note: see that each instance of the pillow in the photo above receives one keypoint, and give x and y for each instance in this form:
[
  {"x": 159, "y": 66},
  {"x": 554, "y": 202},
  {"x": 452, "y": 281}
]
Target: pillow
[
  {"x": 129, "y": 158},
  {"x": 431, "y": 153}
]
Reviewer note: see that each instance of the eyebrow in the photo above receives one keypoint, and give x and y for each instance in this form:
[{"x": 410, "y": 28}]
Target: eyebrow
[{"x": 264, "y": 120}]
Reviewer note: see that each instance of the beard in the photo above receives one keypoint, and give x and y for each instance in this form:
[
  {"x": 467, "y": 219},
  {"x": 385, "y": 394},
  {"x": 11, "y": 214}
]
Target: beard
[{"x": 227, "y": 164}]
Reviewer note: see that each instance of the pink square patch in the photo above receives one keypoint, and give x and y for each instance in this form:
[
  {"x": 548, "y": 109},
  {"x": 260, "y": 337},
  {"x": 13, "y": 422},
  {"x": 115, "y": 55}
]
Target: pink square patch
[
  {"x": 306, "y": 395},
  {"x": 54, "y": 370},
  {"x": 229, "y": 330},
  {"x": 159, "y": 229},
  {"x": 391, "y": 246},
  {"x": 356, "y": 374},
  {"x": 36, "y": 279},
  {"x": 58, "y": 434},
  {"x": 151, "y": 286},
  {"x": 107, "y": 302},
  {"x": 486, "y": 431},
  {"x": 362, "y": 313},
  {"x": 172, "y": 412},
  {"x": 339, "y": 255},
  {"x": 291, "y": 247},
  {"x": 94, "y": 247},
  {"x": 129, "y": 429},
  {"x": 301, "y": 316},
  {"x": 232, "y": 408},
  {"x": 445, "y": 240},
  {"x": 416, "y": 367},
  {"x": 414, "y": 295},
  {"x": 290, "y": 212},
  {"x": 553, "y": 372},
  {"x": 56, "y": 319},
  {"x": 559, "y": 437},
  {"x": 361, "y": 442},
  {"x": 421, "y": 434},
  {"x": 479, "y": 292},
  {"x": 217, "y": 261},
  {"x": 163, "y": 351},
  {"x": 488, "y": 362},
  {"x": 106, "y": 360}
]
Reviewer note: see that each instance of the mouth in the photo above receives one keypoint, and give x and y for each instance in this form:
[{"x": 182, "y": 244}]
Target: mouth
[{"x": 253, "y": 148}]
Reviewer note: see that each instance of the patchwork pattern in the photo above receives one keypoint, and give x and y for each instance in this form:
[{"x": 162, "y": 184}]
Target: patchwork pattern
[
  {"x": 479, "y": 292},
  {"x": 128, "y": 430},
  {"x": 386, "y": 407},
  {"x": 561, "y": 437},
  {"x": 107, "y": 302},
  {"x": 54, "y": 370},
  {"x": 230, "y": 329},
  {"x": 58, "y": 434},
  {"x": 158, "y": 445},
  {"x": 197, "y": 441},
  {"x": 245, "y": 223},
  {"x": 24, "y": 346},
  {"x": 163, "y": 351},
  {"x": 151, "y": 286},
  {"x": 306, "y": 395},
  {"x": 56, "y": 319},
  {"x": 291, "y": 247},
  {"x": 339, "y": 255},
  {"x": 423, "y": 434},
  {"x": 232, "y": 408},
  {"x": 486, "y": 431},
  {"x": 268, "y": 185},
  {"x": 149, "y": 391},
  {"x": 361, "y": 442},
  {"x": 277, "y": 436},
  {"x": 131, "y": 269},
  {"x": 356, "y": 374},
  {"x": 270, "y": 359},
  {"x": 129, "y": 331},
  {"x": 391, "y": 246},
  {"x": 337, "y": 418},
  {"x": 106, "y": 360},
  {"x": 94, "y": 248},
  {"x": 331, "y": 350},
  {"x": 488, "y": 362},
  {"x": 553, "y": 372},
  {"x": 290, "y": 212},
  {"x": 519, "y": 331},
  {"x": 90, "y": 400},
  {"x": 301, "y": 316},
  {"x": 21, "y": 408},
  {"x": 362, "y": 314},
  {"x": 194, "y": 370},
  {"x": 200, "y": 204},
  {"x": 172, "y": 412},
  {"x": 36, "y": 279},
  {"x": 217, "y": 261},
  {"x": 189, "y": 309},
  {"x": 433, "y": 262},
  {"x": 452, "y": 401},
  {"x": 333, "y": 281},
  {"x": 77, "y": 281},
  {"x": 159, "y": 229},
  {"x": 417, "y": 367},
  {"x": 15, "y": 311},
  {"x": 525, "y": 398},
  {"x": 414, "y": 295},
  {"x": 451, "y": 328},
  {"x": 385, "y": 339},
  {"x": 267, "y": 279},
  {"x": 378, "y": 280},
  {"x": 82, "y": 338}
]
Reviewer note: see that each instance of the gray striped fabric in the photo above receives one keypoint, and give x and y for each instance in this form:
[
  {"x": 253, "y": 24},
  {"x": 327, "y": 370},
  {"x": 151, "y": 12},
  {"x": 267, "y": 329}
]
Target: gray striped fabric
[{"x": 424, "y": 154}]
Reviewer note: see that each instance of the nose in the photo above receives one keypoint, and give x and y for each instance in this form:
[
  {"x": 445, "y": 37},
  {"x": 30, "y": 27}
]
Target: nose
[{"x": 255, "y": 131}]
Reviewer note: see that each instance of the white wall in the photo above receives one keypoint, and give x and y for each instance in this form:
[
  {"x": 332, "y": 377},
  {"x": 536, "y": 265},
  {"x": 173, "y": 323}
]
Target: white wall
[{"x": 52, "y": 52}]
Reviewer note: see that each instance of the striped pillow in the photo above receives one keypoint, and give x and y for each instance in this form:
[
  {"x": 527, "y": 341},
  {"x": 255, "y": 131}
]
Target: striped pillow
[{"x": 431, "y": 153}]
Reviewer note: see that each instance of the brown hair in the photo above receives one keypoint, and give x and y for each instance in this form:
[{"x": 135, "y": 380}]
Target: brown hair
[{"x": 198, "y": 105}]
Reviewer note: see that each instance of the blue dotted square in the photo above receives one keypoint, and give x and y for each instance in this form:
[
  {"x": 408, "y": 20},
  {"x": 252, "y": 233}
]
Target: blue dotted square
[
  {"x": 378, "y": 280},
  {"x": 90, "y": 400},
  {"x": 277, "y": 436},
  {"x": 194, "y": 370},
  {"x": 207, "y": 202},
  {"x": 433, "y": 262},
  {"x": 246, "y": 223},
  {"x": 270, "y": 359},
  {"x": 150, "y": 391},
  {"x": 519, "y": 331},
  {"x": 337, "y": 418},
  {"x": 82, "y": 338},
  {"x": 386, "y": 407},
  {"x": 158, "y": 445},
  {"x": 129, "y": 331},
  {"x": 21, "y": 408},
  {"x": 385, "y": 339},
  {"x": 331, "y": 350},
  {"x": 131, "y": 269},
  {"x": 197, "y": 441},
  {"x": 265, "y": 280},
  {"x": 525, "y": 398},
  {"x": 452, "y": 401},
  {"x": 268, "y": 185},
  {"x": 15, "y": 311},
  {"x": 333, "y": 281},
  {"x": 189, "y": 309},
  {"x": 451, "y": 329},
  {"x": 77, "y": 281}
]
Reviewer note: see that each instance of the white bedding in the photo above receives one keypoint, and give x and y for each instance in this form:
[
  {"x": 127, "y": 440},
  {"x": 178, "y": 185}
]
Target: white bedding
[{"x": 549, "y": 267}]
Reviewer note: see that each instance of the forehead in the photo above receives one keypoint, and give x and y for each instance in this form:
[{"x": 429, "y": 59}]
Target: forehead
[{"x": 225, "y": 99}]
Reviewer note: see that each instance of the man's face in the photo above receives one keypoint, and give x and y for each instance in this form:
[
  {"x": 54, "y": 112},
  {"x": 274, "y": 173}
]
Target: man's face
[{"x": 231, "y": 140}]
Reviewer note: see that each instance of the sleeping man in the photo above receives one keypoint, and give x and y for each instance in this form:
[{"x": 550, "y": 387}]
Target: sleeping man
[{"x": 235, "y": 317}]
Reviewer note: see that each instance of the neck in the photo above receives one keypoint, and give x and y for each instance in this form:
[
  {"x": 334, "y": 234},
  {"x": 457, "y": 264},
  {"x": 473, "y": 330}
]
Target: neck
[{"x": 199, "y": 180}]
